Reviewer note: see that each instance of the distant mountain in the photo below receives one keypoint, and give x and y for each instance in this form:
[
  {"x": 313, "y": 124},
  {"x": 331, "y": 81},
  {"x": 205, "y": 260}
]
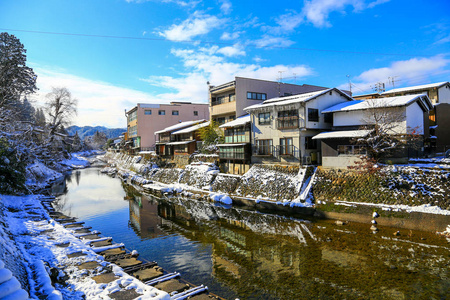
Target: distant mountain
[{"x": 89, "y": 131}]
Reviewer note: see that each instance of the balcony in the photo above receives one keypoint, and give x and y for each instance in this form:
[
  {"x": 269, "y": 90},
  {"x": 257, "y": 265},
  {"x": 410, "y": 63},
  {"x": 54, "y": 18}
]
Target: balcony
[
  {"x": 224, "y": 108},
  {"x": 266, "y": 150},
  {"x": 287, "y": 122},
  {"x": 288, "y": 150}
]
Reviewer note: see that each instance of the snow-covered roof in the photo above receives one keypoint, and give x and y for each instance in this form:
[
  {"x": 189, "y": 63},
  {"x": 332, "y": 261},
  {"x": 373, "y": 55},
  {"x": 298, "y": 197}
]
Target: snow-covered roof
[
  {"x": 415, "y": 88},
  {"x": 192, "y": 128},
  {"x": 180, "y": 143},
  {"x": 231, "y": 145},
  {"x": 294, "y": 99},
  {"x": 380, "y": 103},
  {"x": 341, "y": 134},
  {"x": 179, "y": 126},
  {"x": 238, "y": 122}
]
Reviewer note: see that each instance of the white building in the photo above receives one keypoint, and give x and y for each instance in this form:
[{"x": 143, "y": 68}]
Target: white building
[{"x": 282, "y": 128}]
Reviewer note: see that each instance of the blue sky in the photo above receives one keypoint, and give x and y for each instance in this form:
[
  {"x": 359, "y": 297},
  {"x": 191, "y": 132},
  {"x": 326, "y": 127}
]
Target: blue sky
[{"x": 113, "y": 54}]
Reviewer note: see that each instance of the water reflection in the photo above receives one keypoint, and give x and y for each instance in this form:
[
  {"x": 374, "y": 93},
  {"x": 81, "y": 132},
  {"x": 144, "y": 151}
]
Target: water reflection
[{"x": 250, "y": 255}]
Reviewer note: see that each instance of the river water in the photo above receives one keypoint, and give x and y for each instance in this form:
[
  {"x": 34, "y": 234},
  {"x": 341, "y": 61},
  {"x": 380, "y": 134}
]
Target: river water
[{"x": 245, "y": 254}]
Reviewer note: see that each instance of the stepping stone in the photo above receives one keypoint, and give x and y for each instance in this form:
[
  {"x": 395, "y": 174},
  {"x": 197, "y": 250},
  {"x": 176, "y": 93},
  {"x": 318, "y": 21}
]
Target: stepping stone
[
  {"x": 127, "y": 262},
  {"x": 90, "y": 237},
  {"x": 82, "y": 230},
  {"x": 63, "y": 245},
  {"x": 124, "y": 295},
  {"x": 172, "y": 285},
  {"x": 115, "y": 251},
  {"x": 201, "y": 296},
  {"x": 73, "y": 226},
  {"x": 46, "y": 231},
  {"x": 101, "y": 244},
  {"x": 105, "y": 277},
  {"x": 89, "y": 265},
  {"x": 65, "y": 221},
  {"x": 147, "y": 274},
  {"x": 76, "y": 254}
]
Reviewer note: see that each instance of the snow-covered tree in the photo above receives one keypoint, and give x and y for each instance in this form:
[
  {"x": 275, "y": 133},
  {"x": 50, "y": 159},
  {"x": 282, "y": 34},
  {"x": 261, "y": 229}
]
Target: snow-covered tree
[
  {"x": 16, "y": 79},
  {"x": 211, "y": 135},
  {"x": 96, "y": 141},
  {"x": 77, "y": 145},
  {"x": 60, "y": 108},
  {"x": 39, "y": 117}
]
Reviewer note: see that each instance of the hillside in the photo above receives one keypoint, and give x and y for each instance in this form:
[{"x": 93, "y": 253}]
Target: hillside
[{"x": 89, "y": 131}]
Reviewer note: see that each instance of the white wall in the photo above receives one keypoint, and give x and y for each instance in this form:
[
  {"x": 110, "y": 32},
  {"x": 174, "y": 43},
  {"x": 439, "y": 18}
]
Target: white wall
[
  {"x": 444, "y": 95},
  {"x": 414, "y": 118}
]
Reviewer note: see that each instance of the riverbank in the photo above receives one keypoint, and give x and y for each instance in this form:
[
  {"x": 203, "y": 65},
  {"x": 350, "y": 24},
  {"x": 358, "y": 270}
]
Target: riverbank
[{"x": 407, "y": 191}]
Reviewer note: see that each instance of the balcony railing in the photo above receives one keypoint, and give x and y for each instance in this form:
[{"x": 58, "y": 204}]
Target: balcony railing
[
  {"x": 287, "y": 122},
  {"x": 288, "y": 150},
  {"x": 232, "y": 155},
  {"x": 267, "y": 150}
]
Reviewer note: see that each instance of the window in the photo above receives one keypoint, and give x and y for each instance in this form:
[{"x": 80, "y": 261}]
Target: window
[
  {"x": 264, "y": 118},
  {"x": 231, "y": 97},
  {"x": 287, "y": 119},
  {"x": 147, "y": 112},
  {"x": 313, "y": 115},
  {"x": 132, "y": 131},
  {"x": 195, "y": 113},
  {"x": 351, "y": 150},
  {"x": 328, "y": 118},
  {"x": 287, "y": 94},
  {"x": 237, "y": 135},
  {"x": 132, "y": 116},
  {"x": 310, "y": 144},
  {"x": 231, "y": 118},
  {"x": 256, "y": 96},
  {"x": 263, "y": 147},
  {"x": 161, "y": 112},
  {"x": 286, "y": 147},
  {"x": 237, "y": 152},
  {"x": 221, "y": 121},
  {"x": 175, "y": 112}
]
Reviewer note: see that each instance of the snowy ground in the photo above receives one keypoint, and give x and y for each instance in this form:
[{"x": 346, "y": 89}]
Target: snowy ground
[{"x": 36, "y": 239}]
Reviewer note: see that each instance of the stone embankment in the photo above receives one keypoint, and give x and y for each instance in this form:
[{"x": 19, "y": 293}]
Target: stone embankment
[
  {"x": 410, "y": 197},
  {"x": 262, "y": 186}
]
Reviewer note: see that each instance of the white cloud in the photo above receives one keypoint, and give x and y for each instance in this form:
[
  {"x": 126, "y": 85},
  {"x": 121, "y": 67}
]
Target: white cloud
[
  {"x": 409, "y": 72},
  {"x": 443, "y": 40},
  {"x": 231, "y": 51},
  {"x": 191, "y": 3},
  {"x": 318, "y": 11},
  {"x": 272, "y": 41},
  {"x": 198, "y": 24},
  {"x": 217, "y": 70},
  {"x": 230, "y": 36},
  {"x": 226, "y": 7},
  {"x": 285, "y": 23},
  {"x": 99, "y": 103}
]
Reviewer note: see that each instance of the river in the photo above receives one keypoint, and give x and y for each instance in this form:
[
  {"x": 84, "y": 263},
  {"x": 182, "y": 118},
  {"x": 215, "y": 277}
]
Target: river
[{"x": 245, "y": 254}]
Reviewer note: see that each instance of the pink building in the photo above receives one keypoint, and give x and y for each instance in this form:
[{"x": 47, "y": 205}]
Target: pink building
[{"x": 144, "y": 120}]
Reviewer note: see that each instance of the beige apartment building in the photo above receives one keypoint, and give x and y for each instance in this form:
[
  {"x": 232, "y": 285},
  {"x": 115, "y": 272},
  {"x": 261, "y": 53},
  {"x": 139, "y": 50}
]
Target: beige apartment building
[
  {"x": 145, "y": 119},
  {"x": 227, "y": 101}
]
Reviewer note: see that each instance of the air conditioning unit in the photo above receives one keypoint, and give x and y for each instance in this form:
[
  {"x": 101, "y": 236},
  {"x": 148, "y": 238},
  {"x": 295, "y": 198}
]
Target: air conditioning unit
[{"x": 306, "y": 160}]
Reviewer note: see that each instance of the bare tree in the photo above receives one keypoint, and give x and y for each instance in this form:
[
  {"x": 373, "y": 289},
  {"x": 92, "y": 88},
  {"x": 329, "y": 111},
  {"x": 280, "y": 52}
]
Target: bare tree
[
  {"x": 60, "y": 107},
  {"x": 386, "y": 124}
]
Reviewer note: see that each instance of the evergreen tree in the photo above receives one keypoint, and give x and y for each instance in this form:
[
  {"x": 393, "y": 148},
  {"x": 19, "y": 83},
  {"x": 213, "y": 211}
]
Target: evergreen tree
[{"x": 16, "y": 79}]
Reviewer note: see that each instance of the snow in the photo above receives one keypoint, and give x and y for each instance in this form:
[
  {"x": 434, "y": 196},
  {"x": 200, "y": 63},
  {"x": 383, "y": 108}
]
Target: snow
[
  {"x": 415, "y": 88},
  {"x": 192, "y": 128},
  {"x": 179, "y": 126},
  {"x": 425, "y": 208},
  {"x": 77, "y": 161},
  {"x": 238, "y": 122},
  {"x": 374, "y": 103},
  {"x": 41, "y": 254},
  {"x": 222, "y": 198},
  {"x": 342, "y": 134}
]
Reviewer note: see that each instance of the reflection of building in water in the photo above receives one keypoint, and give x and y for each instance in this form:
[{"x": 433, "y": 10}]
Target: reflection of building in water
[{"x": 144, "y": 216}]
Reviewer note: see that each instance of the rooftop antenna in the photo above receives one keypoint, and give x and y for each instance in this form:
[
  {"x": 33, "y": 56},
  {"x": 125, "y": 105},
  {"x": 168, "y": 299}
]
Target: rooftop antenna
[
  {"x": 392, "y": 81},
  {"x": 349, "y": 84},
  {"x": 280, "y": 79}
]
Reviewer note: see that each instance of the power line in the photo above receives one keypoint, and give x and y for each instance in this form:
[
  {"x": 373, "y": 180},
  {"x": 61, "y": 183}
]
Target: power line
[{"x": 210, "y": 42}]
